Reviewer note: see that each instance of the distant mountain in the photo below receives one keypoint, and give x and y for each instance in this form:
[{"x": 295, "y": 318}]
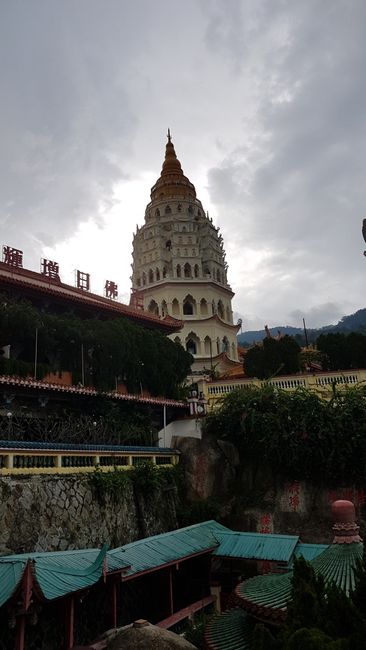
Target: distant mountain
[{"x": 353, "y": 323}]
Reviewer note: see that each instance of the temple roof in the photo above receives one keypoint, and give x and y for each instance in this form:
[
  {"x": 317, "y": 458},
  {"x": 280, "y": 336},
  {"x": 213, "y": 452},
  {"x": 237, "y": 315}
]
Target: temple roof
[
  {"x": 266, "y": 597},
  {"x": 172, "y": 182},
  {"x": 231, "y": 630}
]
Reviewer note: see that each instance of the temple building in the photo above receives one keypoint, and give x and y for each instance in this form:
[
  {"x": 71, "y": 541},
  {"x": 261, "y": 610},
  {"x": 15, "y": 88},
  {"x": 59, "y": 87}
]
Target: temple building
[{"x": 179, "y": 269}]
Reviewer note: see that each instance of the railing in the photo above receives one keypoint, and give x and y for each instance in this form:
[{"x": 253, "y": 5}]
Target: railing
[
  {"x": 323, "y": 383},
  {"x": 33, "y": 458}
]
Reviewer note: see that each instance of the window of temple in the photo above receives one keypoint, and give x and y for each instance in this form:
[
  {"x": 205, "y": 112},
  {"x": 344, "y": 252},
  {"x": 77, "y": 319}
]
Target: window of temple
[
  {"x": 218, "y": 275},
  {"x": 225, "y": 344},
  {"x": 184, "y": 229},
  {"x": 193, "y": 344},
  {"x": 168, "y": 244},
  {"x": 187, "y": 270},
  {"x": 220, "y": 309},
  {"x": 144, "y": 279},
  {"x": 151, "y": 276},
  {"x": 164, "y": 308},
  {"x": 196, "y": 270},
  {"x": 186, "y": 252},
  {"x": 203, "y": 307},
  {"x": 179, "y": 207},
  {"x": 190, "y": 209},
  {"x": 193, "y": 252},
  {"x": 168, "y": 209},
  {"x": 206, "y": 271},
  {"x": 179, "y": 271},
  {"x": 208, "y": 346},
  {"x": 164, "y": 271},
  {"x": 157, "y": 274},
  {"x": 153, "y": 307},
  {"x": 199, "y": 213},
  {"x": 175, "y": 307},
  {"x": 189, "y": 306},
  {"x": 157, "y": 213}
]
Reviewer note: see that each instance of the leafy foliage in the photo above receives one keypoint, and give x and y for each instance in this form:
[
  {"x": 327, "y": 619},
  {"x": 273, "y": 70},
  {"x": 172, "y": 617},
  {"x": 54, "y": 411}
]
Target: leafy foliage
[
  {"x": 113, "y": 350},
  {"x": 298, "y": 434},
  {"x": 272, "y": 357},
  {"x": 343, "y": 351},
  {"x": 145, "y": 477}
]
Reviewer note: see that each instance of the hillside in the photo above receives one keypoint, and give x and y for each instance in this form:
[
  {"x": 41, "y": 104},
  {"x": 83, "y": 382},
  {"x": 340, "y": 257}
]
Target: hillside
[{"x": 353, "y": 323}]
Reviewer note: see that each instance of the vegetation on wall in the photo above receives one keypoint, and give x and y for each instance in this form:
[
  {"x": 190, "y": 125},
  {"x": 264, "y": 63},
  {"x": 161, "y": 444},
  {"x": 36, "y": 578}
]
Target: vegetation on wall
[
  {"x": 298, "y": 434},
  {"x": 112, "y": 350}
]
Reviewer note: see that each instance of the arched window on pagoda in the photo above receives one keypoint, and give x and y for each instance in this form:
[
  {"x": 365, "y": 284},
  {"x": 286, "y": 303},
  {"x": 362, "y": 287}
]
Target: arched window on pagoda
[
  {"x": 208, "y": 346},
  {"x": 157, "y": 213},
  {"x": 218, "y": 275},
  {"x": 225, "y": 344},
  {"x": 164, "y": 272},
  {"x": 151, "y": 276},
  {"x": 203, "y": 307},
  {"x": 193, "y": 344},
  {"x": 164, "y": 308},
  {"x": 187, "y": 270},
  {"x": 196, "y": 270},
  {"x": 157, "y": 274},
  {"x": 189, "y": 306},
  {"x": 153, "y": 307},
  {"x": 179, "y": 271},
  {"x": 168, "y": 209},
  {"x": 144, "y": 279},
  {"x": 220, "y": 309},
  {"x": 175, "y": 307}
]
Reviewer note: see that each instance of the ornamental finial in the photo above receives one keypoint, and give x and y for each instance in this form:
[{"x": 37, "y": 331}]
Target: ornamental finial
[{"x": 169, "y": 136}]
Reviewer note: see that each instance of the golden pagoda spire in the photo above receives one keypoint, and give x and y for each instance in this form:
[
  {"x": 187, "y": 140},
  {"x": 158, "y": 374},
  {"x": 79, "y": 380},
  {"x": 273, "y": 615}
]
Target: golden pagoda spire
[{"x": 172, "y": 181}]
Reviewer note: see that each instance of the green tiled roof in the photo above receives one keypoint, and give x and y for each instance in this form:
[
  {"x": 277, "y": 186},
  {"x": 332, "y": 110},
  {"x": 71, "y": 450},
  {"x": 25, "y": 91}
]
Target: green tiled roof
[
  {"x": 256, "y": 546},
  {"x": 309, "y": 551},
  {"x": 56, "y": 573},
  {"x": 152, "y": 552},
  {"x": 231, "y": 630},
  {"x": 267, "y": 596},
  {"x": 10, "y": 576}
]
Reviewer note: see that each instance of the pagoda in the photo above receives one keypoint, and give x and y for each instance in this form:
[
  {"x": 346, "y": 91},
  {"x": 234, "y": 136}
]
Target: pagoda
[{"x": 179, "y": 269}]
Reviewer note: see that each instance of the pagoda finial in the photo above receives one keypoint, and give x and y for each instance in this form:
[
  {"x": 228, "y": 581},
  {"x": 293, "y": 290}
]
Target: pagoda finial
[{"x": 169, "y": 136}]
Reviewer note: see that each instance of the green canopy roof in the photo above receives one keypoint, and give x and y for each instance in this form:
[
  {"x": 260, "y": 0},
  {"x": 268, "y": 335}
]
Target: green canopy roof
[
  {"x": 153, "y": 552},
  {"x": 56, "y": 574},
  {"x": 256, "y": 546},
  {"x": 232, "y": 630},
  {"x": 266, "y": 597}
]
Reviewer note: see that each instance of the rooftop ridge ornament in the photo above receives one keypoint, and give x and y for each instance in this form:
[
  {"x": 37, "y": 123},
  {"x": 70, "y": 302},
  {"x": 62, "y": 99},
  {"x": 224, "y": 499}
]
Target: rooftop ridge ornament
[{"x": 345, "y": 528}]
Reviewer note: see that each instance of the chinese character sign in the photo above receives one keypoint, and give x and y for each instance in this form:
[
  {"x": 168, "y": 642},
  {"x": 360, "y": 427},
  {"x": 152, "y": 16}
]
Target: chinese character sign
[
  {"x": 293, "y": 496},
  {"x": 265, "y": 523},
  {"x": 110, "y": 289},
  {"x": 83, "y": 280},
  {"x": 50, "y": 269},
  {"x": 13, "y": 257}
]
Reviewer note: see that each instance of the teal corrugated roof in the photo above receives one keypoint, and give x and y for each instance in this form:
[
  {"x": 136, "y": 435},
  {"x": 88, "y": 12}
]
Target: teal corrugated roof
[
  {"x": 57, "y": 573},
  {"x": 309, "y": 551},
  {"x": 10, "y": 576},
  {"x": 267, "y": 596},
  {"x": 152, "y": 552},
  {"x": 232, "y": 630},
  {"x": 256, "y": 546}
]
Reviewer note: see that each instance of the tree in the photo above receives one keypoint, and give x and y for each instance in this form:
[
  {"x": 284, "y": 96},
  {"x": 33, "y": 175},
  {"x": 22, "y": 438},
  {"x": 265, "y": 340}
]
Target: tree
[{"x": 272, "y": 357}]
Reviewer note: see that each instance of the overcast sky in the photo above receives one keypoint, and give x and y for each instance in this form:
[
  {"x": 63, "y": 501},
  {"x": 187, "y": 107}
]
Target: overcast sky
[{"x": 266, "y": 101}]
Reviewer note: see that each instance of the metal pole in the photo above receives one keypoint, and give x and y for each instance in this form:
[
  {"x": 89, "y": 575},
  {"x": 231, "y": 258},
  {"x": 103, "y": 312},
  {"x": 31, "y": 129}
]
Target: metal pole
[
  {"x": 164, "y": 412},
  {"x": 306, "y": 334},
  {"x": 82, "y": 365},
  {"x": 36, "y": 354}
]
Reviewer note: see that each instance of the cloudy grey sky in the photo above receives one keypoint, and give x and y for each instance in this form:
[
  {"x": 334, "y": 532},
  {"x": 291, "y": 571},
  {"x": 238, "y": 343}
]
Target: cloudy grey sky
[{"x": 266, "y": 103}]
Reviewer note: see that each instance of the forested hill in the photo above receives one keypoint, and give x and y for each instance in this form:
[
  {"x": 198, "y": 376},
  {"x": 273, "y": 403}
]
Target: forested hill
[{"x": 353, "y": 323}]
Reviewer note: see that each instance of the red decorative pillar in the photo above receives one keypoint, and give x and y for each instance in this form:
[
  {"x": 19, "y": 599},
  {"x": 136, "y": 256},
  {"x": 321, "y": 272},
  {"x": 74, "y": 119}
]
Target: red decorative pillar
[
  {"x": 69, "y": 623},
  {"x": 26, "y": 591}
]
